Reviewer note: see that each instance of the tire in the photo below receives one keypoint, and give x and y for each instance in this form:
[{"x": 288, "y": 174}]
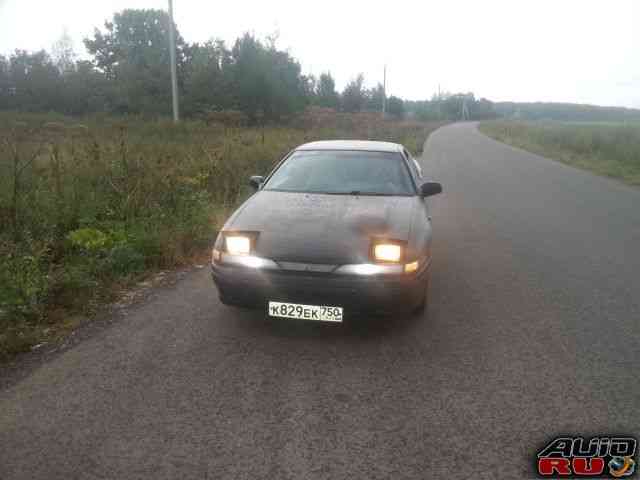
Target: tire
[{"x": 235, "y": 303}]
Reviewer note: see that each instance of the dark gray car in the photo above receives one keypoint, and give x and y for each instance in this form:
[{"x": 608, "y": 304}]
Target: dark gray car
[{"x": 337, "y": 228}]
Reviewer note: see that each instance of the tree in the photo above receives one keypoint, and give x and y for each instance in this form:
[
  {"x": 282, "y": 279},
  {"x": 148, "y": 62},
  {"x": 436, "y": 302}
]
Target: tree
[
  {"x": 267, "y": 82},
  {"x": 34, "y": 82},
  {"x": 133, "y": 51},
  {"x": 85, "y": 89},
  {"x": 310, "y": 88},
  {"x": 452, "y": 105},
  {"x": 483, "y": 109},
  {"x": 6, "y": 88},
  {"x": 353, "y": 96},
  {"x": 395, "y": 107},
  {"x": 63, "y": 54},
  {"x": 423, "y": 110},
  {"x": 375, "y": 97},
  {"x": 207, "y": 78},
  {"x": 326, "y": 91}
]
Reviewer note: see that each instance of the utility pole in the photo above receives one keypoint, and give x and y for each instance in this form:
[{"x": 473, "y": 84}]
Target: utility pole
[
  {"x": 465, "y": 109},
  {"x": 172, "y": 55},
  {"x": 384, "y": 92}
]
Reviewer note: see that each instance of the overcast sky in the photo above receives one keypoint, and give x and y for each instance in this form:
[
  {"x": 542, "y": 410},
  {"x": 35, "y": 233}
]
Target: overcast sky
[{"x": 585, "y": 51}]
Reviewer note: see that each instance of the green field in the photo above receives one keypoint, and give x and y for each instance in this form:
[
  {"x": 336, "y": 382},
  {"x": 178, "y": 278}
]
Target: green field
[
  {"x": 90, "y": 206},
  {"x": 606, "y": 148}
]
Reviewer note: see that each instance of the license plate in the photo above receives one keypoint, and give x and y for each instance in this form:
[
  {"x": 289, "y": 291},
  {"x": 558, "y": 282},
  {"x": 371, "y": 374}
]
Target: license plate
[{"x": 305, "y": 312}]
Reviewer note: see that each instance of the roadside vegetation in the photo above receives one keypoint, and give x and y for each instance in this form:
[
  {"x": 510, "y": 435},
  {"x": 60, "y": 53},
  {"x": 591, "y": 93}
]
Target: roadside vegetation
[
  {"x": 607, "y": 148},
  {"x": 91, "y": 205},
  {"x": 565, "y": 112},
  {"x": 101, "y": 189}
]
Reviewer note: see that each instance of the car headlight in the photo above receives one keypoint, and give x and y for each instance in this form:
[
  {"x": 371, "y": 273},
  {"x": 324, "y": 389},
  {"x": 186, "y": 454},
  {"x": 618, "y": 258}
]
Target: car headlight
[
  {"x": 368, "y": 269},
  {"x": 251, "y": 261},
  {"x": 387, "y": 252},
  {"x": 372, "y": 269},
  {"x": 411, "y": 267},
  {"x": 238, "y": 244}
]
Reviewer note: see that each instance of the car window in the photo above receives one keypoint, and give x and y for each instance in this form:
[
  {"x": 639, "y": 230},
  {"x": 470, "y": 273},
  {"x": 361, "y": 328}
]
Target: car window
[{"x": 343, "y": 172}]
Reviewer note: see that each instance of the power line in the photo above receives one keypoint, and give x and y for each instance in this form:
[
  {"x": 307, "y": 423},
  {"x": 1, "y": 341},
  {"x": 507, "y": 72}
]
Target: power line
[{"x": 465, "y": 109}]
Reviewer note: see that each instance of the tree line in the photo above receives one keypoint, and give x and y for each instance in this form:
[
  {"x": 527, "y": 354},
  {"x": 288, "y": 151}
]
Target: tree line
[
  {"x": 128, "y": 74},
  {"x": 565, "y": 112}
]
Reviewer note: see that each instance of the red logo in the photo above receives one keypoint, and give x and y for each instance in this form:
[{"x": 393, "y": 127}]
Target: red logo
[{"x": 577, "y": 457}]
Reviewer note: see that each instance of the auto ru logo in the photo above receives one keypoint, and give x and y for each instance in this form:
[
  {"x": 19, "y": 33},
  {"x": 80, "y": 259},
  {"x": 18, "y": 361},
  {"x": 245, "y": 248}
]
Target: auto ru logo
[
  {"x": 579, "y": 457},
  {"x": 622, "y": 466}
]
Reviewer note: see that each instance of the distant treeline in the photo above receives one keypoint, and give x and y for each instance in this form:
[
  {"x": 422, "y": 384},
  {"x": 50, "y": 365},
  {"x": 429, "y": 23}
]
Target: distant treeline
[
  {"x": 565, "y": 112},
  {"x": 449, "y": 106},
  {"x": 128, "y": 73}
]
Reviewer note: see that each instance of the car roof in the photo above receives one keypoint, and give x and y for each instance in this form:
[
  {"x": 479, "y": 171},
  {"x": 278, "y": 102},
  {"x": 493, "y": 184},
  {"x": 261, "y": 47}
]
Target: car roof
[{"x": 362, "y": 145}]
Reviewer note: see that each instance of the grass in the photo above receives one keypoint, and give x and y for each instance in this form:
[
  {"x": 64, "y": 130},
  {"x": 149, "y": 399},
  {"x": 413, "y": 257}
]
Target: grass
[
  {"x": 608, "y": 149},
  {"x": 89, "y": 206}
]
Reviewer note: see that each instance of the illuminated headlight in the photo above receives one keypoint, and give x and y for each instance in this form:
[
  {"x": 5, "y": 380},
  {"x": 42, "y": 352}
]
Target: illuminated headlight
[
  {"x": 238, "y": 244},
  {"x": 367, "y": 269},
  {"x": 411, "y": 267},
  {"x": 254, "y": 262},
  {"x": 387, "y": 252},
  {"x": 249, "y": 261}
]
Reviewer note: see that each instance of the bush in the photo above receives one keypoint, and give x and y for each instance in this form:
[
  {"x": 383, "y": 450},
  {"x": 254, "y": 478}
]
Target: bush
[
  {"x": 111, "y": 198},
  {"x": 89, "y": 239},
  {"x": 124, "y": 259},
  {"x": 24, "y": 280}
]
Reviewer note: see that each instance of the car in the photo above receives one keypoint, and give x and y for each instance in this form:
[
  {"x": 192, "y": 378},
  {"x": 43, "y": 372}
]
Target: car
[{"x": 338, "y": 229}]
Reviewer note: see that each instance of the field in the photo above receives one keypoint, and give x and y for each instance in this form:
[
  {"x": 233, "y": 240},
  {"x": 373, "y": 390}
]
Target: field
[
  {"x": 90, "y": 206},
  {"x": 609, "y": 149}
]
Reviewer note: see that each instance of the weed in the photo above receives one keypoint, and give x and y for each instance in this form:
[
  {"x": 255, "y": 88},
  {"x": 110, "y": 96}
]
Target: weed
[
  {"x": 85, "y": 205},
  {"x": 610, "y": 149}
]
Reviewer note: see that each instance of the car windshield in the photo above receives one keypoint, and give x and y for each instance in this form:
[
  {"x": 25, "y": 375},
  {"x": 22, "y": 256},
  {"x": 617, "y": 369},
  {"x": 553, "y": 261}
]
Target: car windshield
[{"x": 343, "y": 172}]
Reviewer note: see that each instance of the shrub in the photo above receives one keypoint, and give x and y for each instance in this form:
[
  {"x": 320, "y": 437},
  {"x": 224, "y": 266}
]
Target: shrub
[
  {"x": 24, "y": 280},
  {"x": 125, "y": 259},
  {"x": 89, "y": 239},
  {"x": 113, "y": 197}
]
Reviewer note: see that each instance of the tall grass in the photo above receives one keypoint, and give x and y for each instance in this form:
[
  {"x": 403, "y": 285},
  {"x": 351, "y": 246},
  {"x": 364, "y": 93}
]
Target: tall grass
[
  {"x": 610, "y": 149},
  {"x": 88, "y": 205}
]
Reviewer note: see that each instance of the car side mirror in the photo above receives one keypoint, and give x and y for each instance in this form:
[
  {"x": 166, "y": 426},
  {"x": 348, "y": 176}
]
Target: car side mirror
[
  {"x": 430, "y": 188},
  {"x": 256, "y": 181}
]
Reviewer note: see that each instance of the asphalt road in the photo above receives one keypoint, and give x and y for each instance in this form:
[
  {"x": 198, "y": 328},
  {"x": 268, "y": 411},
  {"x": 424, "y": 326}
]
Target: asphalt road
[{"x": 532, "y": 330}]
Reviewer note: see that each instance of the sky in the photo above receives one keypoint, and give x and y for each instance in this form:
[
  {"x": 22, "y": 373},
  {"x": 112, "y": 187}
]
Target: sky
[{"x": 583, "y": 51}]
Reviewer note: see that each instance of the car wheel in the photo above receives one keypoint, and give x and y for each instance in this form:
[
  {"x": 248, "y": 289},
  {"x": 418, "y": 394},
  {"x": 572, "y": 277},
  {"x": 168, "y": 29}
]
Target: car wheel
[{"x": 233, "y": 302}]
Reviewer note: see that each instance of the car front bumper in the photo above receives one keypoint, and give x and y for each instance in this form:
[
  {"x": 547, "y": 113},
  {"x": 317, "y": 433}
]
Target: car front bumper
[{"x": 357, "y": 294}]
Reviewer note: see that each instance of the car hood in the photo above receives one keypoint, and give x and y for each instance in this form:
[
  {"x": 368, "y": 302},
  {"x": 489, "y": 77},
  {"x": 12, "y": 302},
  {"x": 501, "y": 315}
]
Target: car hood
[{"x": 320, "y": 228}]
